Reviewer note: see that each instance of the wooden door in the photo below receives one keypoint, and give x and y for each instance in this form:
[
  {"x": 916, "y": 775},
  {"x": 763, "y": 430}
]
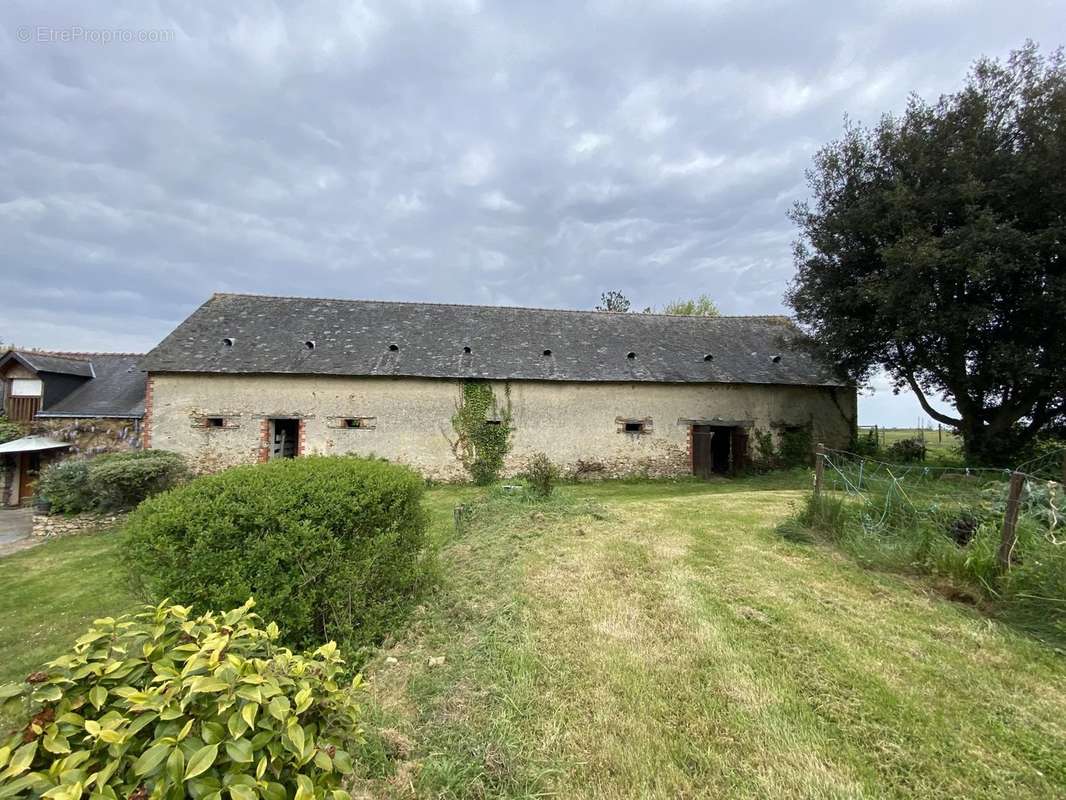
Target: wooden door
[
  {"x": 702, "y": 462},
  {"x": 29, "y": 468},
  {"x": 740, "y": 450}
]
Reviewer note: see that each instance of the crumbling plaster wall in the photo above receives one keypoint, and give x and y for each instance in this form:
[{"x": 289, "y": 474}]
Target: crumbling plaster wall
[{"x": 410, "y": 418}]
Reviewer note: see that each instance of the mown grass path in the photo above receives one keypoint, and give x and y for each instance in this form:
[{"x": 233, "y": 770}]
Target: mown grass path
[{"x": 663, "y": 641}]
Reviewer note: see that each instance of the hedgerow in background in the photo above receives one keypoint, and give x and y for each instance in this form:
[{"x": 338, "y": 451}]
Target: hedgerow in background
[
  {"x": 164, "y": 704},
  {"x": 112, "y": 481},
  {"x": 330, "y": 547},
  {"x": 483, "y": 432}
]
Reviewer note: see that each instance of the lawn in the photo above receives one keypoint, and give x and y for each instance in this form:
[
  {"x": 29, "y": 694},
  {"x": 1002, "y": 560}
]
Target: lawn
[
  {"x": 655, "y": 640},
  {"x": 51, "y": 593}
]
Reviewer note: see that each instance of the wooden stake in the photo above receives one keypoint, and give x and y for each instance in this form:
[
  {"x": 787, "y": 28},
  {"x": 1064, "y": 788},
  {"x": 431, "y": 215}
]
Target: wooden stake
[
  {"x": 819, "y": 469},
  {"x": 1010, "y": 520}
]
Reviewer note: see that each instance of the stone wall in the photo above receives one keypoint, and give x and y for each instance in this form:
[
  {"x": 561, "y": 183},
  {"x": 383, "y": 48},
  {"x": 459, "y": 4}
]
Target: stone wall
[
  {"x": 408, "y": 420},
  {"x": 53, "y": 525},
  {"x": 90, "y": 437}
]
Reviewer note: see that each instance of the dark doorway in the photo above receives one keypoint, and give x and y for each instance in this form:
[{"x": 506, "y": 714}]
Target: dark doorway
[
  {"x": 284, "y": 436},
  {"x": 713, "y": 448}
]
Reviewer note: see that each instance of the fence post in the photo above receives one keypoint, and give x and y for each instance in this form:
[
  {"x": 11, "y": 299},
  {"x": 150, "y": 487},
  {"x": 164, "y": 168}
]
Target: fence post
[
  {"x": 1010, "y": 520},
  {"x": 819, "y": 469}
]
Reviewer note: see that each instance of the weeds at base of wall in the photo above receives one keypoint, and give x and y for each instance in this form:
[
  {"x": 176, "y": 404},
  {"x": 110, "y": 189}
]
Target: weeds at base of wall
[{"x": 794, "y": 448}]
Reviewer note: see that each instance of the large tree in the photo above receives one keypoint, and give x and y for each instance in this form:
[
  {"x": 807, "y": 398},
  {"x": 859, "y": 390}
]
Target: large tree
[{"x": 934, "y": 247}]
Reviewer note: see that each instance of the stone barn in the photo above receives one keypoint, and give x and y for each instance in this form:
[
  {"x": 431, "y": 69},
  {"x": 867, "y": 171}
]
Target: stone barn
[{"x": 248, "y": 378}]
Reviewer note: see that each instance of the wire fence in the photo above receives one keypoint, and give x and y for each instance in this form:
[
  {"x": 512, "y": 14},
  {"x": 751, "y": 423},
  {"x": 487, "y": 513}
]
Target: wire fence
[
  {"x": 1000, "y": 532},
  {"x": 886, "y": 492}
]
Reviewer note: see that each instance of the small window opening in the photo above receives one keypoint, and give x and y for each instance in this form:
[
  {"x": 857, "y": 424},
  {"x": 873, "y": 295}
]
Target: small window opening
[
  {"x": 633, "y": 427},
  {"x": 466, "y": 350},
  {"x": 214, "y": 422},
  {"x": 310, "y": 344},
  {"x": 228, "y": 341},
  {"x": 547, "y": 352},
  {"x": 493, "y": 422},
  {"x": 631, "y": 355},
  {"x": 776, "y": 359},
  {"x": 708, "y": 357},
  {"x": 394, "y": 348},
  {"x": 355, "y": 422}
]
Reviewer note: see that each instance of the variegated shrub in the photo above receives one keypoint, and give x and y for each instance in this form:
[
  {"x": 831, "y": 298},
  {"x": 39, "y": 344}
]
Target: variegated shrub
[{"x": 163, "y": 704}]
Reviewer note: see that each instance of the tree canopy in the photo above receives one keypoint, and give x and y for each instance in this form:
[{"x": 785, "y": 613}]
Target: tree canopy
[
  {"x": 934, "y": 247},
  {"x": 702, "y": 306},
  {"x": 613, "y": 301}
]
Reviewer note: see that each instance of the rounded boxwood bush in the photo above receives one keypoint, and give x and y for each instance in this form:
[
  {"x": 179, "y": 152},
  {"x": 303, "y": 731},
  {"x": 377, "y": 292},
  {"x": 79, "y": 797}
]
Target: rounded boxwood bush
[
  {"x": 111, "y": 481},
  {"x": 330, "y": 547},
  {"x": 122, "y": 480},
  {"x": 170, "y": 705}
]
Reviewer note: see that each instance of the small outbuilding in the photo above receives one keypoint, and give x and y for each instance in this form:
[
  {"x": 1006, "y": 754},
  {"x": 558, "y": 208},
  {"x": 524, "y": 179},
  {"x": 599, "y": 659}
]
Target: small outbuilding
[
  {"x": 67, "y": 404},
  {"x": 248, "y": 378}
]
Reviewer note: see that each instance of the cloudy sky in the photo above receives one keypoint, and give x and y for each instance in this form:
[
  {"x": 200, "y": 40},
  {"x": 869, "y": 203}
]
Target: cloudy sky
[{"x": 524, "y": 153}]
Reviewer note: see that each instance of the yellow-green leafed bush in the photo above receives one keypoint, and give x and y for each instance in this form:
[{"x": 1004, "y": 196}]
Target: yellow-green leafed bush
[{"x": 166, "y": 705}]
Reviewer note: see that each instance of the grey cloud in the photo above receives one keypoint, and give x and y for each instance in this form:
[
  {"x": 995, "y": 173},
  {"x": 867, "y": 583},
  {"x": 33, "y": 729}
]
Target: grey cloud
[{"x": 530, "y": 153}]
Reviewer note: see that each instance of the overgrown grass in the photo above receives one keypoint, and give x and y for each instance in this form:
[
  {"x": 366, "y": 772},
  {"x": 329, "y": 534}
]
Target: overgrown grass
[{"x": 922, "y": 536}]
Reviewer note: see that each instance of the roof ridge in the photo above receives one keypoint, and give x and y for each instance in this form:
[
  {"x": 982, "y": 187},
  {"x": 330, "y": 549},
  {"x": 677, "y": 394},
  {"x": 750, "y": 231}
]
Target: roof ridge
[
  {"x": 74, "y": 355},
  {"x": 784, "y": 317}
]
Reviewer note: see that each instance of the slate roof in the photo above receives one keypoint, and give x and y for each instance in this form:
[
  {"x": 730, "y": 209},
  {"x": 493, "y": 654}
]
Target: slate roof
[
  {"x": 116, "y": 390},
  {"x": 63, "y": 363},
  {"x": 237, "y": 333}
]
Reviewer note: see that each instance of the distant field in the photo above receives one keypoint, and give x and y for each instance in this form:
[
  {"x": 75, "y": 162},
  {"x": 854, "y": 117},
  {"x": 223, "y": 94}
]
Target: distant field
[{"x": 941, "y": 447}]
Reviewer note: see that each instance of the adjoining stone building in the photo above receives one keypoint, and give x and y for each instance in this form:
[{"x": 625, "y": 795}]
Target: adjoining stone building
[
  {"x": 247, "y": 378},
  {"x": 67, "y": 404}
]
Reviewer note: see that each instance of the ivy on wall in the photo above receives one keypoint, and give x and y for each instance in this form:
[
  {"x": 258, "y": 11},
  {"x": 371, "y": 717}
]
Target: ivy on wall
[
  {"x": 484, "y": 432},
  {"x": 9, "y": 430}
]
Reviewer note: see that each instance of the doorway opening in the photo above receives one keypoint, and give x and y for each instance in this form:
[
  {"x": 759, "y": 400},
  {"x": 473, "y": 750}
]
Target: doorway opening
[
  {"x": 284, "y": 438},
  {"x": 29, "y": 468},
  {"x": 718, "y": 450}
]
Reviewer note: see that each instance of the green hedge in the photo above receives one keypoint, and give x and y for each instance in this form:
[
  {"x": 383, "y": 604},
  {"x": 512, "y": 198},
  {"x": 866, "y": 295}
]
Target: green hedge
[
  {"x": 330, "y": 547},
  {"x": 111, "y": 481}
]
